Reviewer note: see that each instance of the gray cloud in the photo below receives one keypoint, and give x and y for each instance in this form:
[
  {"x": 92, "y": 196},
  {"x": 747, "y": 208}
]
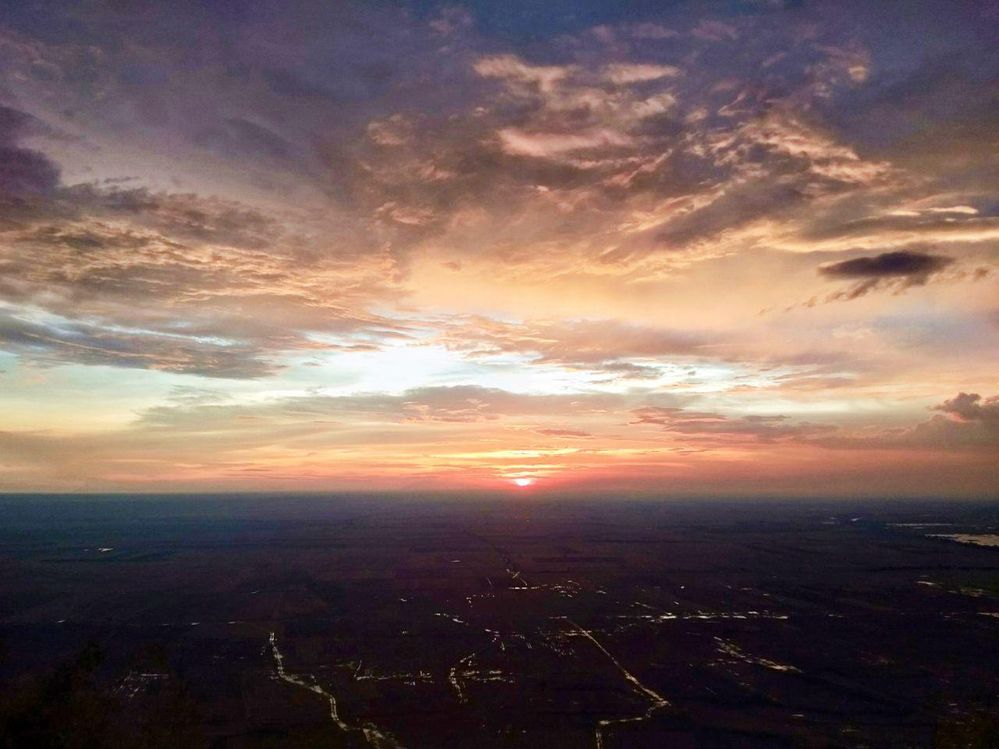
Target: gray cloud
[
  {"x": 83, "y": 343},
  {"x": 970, "y": 408},
  {"x": 459, "y": 404},
  {"x": 705, "y": 425},
  {"x": 28, "y": 178},
  {"x": 902, "y": 263},
  {"x": 965, "y": 422},
  {"x": 23, "y": 172},
  {"x": 897, "y": 270}
]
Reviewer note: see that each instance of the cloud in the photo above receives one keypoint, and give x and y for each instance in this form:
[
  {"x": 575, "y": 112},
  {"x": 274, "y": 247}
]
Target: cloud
[
  {"x": 177, "y": 267},
  {"x": 630, "y": 371},
  {"x": 82, "y": 343},
  {"x": 25, "y": 171},
  {"x": 457, "y": 404},
  {"x": 899, "y": 270},
  {"x": 575, "y": 152},
  {"x": 27, "y": 177},
  {"x": 545, "y": 145},
  {"x": 965, "y": 422},
  {"x": 706, "y": 425},
  {"x": 888, "y": 265},
  {"x": 474, "y": 435},
  {"x": 603, "y": 347},
  {"x": 525, "y": 77},
  {"x": 169, "y": 281},
  {"x": 625, "y": 73},
  {"x": 932, "y": 223},
  {"x": 970, "y": 408},
  {"x": 559, "y": 432}
]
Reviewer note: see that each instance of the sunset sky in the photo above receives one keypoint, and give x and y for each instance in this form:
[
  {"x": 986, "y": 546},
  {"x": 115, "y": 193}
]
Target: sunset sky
[{"x": 732, "y": 248}]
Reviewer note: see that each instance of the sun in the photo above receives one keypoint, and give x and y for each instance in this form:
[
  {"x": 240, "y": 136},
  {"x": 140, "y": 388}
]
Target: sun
[{"x": 523, "y": 482}]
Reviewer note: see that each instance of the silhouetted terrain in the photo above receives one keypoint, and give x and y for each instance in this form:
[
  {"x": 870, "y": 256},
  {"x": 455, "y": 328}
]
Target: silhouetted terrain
[{"x": 360, "y": 621}]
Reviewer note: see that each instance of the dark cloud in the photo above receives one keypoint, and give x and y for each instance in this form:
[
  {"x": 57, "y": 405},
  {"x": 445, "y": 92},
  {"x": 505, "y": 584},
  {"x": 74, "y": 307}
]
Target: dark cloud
[
  {"x": 972, "y": 408},
  {"x": 897, "y": 270},
  {"x": 179, "y": 216},
  {"x": 888, "y": 265},
  {"x": 27, "y": 176}
]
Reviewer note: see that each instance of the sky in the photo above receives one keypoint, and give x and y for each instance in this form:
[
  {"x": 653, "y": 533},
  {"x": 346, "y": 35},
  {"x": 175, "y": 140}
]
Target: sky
[{"x": 740, "y": 248}]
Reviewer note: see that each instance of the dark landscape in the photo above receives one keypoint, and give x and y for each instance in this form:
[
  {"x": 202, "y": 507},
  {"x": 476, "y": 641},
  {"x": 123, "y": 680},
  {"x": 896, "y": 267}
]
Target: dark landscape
[{"x": 267, "y": 621}]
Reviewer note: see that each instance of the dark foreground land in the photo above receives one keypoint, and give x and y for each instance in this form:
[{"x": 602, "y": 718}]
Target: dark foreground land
[{"x": 293, "y": 621}]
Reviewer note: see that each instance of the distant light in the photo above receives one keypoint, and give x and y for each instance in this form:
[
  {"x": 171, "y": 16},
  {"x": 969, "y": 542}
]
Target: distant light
[{"x": 523, "y": 482}]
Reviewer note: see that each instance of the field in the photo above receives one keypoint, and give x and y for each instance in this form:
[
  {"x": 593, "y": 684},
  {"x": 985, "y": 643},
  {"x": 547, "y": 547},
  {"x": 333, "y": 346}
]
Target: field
[{"x": 441, "y": 622}]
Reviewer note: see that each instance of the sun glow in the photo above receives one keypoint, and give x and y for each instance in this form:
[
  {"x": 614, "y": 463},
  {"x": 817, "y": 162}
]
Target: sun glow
[{"x": 523, "y": 482}]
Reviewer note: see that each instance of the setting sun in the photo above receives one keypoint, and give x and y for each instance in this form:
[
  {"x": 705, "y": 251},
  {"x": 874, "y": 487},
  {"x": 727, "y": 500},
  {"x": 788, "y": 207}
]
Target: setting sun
[{"x": 523, "y": 482}]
